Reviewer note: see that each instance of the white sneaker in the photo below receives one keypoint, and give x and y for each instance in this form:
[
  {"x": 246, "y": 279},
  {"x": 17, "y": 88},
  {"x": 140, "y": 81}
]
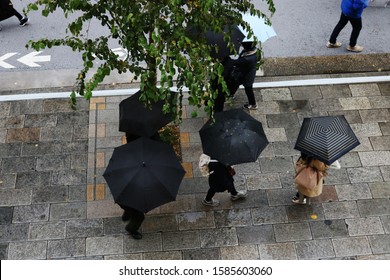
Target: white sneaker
[
  {"x": 212, "y": 203},
  {"x": 331, "y": 45},
  {"x": 295, "y": 200},
  {"x": 239, "y": 195}
]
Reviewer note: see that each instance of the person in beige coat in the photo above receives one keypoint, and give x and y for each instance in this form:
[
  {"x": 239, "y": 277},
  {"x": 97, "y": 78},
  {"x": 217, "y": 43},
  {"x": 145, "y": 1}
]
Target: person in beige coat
[{"x": 304, "y": 194}]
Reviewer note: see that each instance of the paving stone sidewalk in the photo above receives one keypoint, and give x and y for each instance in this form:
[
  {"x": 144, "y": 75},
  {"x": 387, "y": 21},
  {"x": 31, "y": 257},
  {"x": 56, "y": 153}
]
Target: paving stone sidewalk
[{"x": 54, "y": 203}]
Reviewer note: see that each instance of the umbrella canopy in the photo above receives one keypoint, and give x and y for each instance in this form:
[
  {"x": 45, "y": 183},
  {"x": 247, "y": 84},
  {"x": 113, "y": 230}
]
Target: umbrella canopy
[
  {"x": 261, "y": 30},
  {"x": 235, "y": 137},
  {"x": 137, "y": 119},
  {"x": 144, "y": 174},
  {"x": 221, "y": 48},
  {"x": 326, "y": 138}
]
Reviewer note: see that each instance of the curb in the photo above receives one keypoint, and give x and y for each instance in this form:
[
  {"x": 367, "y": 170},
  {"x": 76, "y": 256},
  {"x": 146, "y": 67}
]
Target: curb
[{"x": 336, "y": 64}]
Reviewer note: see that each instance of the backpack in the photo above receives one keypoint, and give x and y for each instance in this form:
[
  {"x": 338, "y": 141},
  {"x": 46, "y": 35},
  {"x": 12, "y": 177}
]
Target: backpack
[{"x": 204, "y": 164}]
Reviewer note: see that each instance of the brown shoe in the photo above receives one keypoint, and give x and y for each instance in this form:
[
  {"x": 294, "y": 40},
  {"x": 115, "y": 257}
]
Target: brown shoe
[{"x": 355, "y": 48}]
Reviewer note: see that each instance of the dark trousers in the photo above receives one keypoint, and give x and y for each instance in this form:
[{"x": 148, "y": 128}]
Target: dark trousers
[
  {"x": 211, "y": 192},
  {"x": 19, "y": 16},
  {"x": 248, "y": 90},
  {"x": 136, "y": 218},
  {"x": 356, "y": 27}
]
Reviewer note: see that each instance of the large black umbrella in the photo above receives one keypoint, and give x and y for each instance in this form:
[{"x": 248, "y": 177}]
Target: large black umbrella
[
  {"x": 220, "y": 46},
  {"x": 326, "y": 138},
  {"x": 144, "y": 174},
  {"x": 137, "y": 119},
  {"x": 235, "y": 137}
]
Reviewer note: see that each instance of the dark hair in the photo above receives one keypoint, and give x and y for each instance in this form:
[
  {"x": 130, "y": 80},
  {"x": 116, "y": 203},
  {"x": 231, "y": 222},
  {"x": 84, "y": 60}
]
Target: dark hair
[{"x": 248, "y": 45}]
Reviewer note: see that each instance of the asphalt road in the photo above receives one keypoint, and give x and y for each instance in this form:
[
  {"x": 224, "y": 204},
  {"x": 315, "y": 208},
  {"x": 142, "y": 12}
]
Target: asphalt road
[{"x": 303, "y": 28}]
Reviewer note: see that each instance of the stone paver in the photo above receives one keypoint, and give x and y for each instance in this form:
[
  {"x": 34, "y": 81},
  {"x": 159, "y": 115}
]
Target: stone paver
[{"x": 55, "y": 204}]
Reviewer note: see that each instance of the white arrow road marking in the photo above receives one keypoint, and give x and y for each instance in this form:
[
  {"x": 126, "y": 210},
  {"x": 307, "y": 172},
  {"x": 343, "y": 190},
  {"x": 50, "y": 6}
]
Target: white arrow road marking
[
  {"x": 31, "y": 58},
  {"x": 4, "y": 57}
]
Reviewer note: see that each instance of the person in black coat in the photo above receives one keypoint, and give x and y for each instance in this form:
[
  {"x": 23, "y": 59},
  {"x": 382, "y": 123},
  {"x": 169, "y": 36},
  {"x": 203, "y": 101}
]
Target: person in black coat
[
  {"x": 227, "y": 63},
  {"x": 247, "y": 66},
  {"x": 7, "y": 10},
  {"x": 220, "y": 180}
]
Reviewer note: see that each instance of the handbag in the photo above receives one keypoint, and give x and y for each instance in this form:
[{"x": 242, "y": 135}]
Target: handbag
[
  {"x": 231, "y": 171},
  {"x": 307, "y": 177}
]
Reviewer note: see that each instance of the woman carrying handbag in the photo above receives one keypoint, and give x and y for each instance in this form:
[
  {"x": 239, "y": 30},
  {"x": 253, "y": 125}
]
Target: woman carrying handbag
[{"x": 308, "y": 166}]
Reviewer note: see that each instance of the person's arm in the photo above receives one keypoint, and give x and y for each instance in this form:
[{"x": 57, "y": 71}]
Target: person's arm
[{"x": 360, "y": 4}]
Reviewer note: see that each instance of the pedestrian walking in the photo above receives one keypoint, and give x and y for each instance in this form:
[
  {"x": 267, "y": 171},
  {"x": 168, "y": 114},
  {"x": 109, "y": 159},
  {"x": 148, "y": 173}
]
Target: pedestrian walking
[
  {"x": 305, "y": 192},
  {"x": 134, "y": 218},
  {"x": 220, "y": 180},
  {"x": 351, "y": 11},
  {"x": 219, "y": 102},
  {"x": 244, "y": 73},
  {"x": 7, "y": 10}
]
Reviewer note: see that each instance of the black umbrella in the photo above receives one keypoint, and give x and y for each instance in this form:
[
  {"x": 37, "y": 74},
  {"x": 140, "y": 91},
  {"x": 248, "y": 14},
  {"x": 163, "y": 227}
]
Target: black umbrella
[
  {"x": 326, "y": 138},
  {"x": 137, "y": 119},
  {"x": 235, "y": 137},
  {"x": 220, "y": 46},
  {"x": 144, "y": 174}
]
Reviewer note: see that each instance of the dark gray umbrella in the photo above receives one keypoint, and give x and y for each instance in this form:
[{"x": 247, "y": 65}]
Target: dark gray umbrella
[
  {"x": 144, "y": 174},
  {"x": 235, "y": 137},
  {"x": 220, "y": 48},
  {"x": 220, "y": 45},
  {"x": 137, "y": 119},
  {"x": 326, "y": 138}
]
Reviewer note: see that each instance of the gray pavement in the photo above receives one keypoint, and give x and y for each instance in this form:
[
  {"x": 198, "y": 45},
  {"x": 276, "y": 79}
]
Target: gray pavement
[{"x": 54, "y": 203}]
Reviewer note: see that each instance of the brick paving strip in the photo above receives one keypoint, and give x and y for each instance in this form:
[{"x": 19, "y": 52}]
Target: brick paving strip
[{"x": 54, "y": 202}]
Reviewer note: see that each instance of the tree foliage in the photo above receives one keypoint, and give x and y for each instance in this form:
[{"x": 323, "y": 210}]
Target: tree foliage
[{"x": 155, "y": 35}]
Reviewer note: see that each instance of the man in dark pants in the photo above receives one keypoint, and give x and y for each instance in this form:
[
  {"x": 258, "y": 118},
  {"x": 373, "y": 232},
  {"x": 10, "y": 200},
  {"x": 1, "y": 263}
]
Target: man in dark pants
[
  {"x": 351, "y": 11},
  {"x": 227, "y": 63},
  {"x": 247, "y": 66},
  {"x": 135, "y": 219},
  {"x": 7, "y": 10}
]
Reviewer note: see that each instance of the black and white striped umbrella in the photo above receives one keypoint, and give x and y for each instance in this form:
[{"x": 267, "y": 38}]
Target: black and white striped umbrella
[{"x": 326, "y": 138}]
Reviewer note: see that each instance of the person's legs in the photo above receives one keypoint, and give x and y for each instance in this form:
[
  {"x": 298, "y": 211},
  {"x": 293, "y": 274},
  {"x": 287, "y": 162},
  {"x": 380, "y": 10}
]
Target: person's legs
[
  {"x": 251, "y": 98},
  {"x": 251, "y": 95},
  {"x": 17, "y": 14},
  {"x": 339, "y": 26},
  {"x": 209, "y": 201},
  {"x": 356, "y": 27},
  {"x": 219, "y": 102},
  {"x": 210, "y": 195},
  {"x": 234, "y": 194},
  {"x": 136, "y": 218}
]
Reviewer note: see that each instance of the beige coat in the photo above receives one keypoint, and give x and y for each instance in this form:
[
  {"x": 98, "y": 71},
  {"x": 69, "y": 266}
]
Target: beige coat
[{"x": 317, "y": 190}]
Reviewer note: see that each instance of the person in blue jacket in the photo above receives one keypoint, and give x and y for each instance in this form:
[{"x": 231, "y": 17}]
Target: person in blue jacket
[{"x": 351, "y": 11}]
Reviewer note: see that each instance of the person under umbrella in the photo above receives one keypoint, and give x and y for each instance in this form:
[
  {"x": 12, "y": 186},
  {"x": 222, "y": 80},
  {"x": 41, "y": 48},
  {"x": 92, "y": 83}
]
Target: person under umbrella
[
  {"x": 143, "y": 175},
  {"x": 304, "y": 194},
  {"x": 220, "y": 180},
  {"x": 134, "y": 219},
  {"x": 244, "y": 72}
]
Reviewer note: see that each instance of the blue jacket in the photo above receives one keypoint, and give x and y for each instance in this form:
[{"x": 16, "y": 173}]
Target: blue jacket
[{"x": 353, "y": 8}]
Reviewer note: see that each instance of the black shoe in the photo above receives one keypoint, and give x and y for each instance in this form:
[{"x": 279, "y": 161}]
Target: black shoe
[
  {"x": 136, "y": 235},
  {"x": 126, "y": 216},
  {"x": 23, "y": 21}
]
